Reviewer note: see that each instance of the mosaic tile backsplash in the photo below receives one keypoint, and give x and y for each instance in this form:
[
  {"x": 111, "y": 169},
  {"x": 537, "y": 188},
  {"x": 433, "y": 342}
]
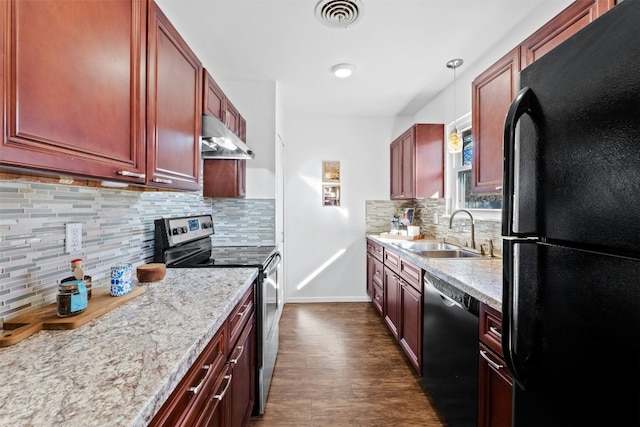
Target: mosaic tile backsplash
[
  {"x": 117, "y": 227},
  {"x": 380, "y": 212}
]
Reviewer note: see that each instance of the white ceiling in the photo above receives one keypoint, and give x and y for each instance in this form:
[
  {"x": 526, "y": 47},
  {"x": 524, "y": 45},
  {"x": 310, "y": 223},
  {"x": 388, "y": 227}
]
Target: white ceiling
[{"x": 399, "y": 48}]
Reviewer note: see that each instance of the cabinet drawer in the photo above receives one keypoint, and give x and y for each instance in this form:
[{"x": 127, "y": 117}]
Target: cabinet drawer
[
  {"x": 392, "y": 261},
  {"x": 374, "y": 249},
  {"x": 189, "y": 397},
  {"x": 239, "y": 317},
  {"x": 411, "y": 274},
  {"x": 491, "y": 328},
  {"x": 377, "y": 276}
]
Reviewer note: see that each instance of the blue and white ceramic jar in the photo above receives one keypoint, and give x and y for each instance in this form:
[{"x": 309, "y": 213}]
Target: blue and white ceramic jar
[{"x": 121, "y": 280}]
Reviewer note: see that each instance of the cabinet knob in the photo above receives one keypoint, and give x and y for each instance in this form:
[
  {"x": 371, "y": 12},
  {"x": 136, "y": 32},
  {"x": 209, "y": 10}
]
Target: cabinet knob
[{"x": 162, "y": 181}]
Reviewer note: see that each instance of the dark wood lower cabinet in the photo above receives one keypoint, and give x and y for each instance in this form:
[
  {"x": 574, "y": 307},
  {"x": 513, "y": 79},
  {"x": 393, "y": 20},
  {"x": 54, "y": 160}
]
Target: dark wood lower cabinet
[
  {"x": 392, "y": 288},
  {"x": 190, "y": 398},
  {"x": 242, "y": 393},
  {"x": 495, "y": 385},
  {"x": 494, "y": 390},
  {"x": 410, "y": 336}
]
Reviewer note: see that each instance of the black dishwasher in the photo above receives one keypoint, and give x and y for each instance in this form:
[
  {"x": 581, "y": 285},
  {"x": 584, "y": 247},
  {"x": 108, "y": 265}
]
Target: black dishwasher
[{"x": 450, "y": 351}]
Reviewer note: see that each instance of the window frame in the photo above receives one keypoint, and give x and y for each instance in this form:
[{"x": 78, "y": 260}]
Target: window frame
[{"x": 453, "y": 165}]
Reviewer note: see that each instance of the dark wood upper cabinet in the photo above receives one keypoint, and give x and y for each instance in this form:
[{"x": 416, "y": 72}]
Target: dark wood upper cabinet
[
  {"x": 224, "y": 178},
  {"x": 74, "y": 76},
  {"x": 494, "y": 89},
  {"x": 417, "y": 163},
  {"x": 492, "y": 94},
  {"x": 174, "y": 107},
  {"x": 214, "y": 100},
  {"x": 568, "y": 22},
  {"x": 233, "y": 118}
]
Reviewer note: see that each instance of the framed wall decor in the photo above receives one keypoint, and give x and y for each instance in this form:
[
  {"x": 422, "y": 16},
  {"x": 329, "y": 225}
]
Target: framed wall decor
[
  {"x": 330, "y": 183},
  {"x": 330, "y": 171},
  {"x": 330, "y": 195}
]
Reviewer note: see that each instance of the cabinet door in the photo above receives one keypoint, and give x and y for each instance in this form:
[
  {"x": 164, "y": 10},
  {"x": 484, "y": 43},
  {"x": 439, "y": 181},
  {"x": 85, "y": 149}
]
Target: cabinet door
[
  {"x": 233, "y": 118},
  {"x": 392, "y": 300},
  {"x": 174, "y": 108},
  {"x": 242, "y": 361},
  {"x": 568, "y": 22},
  {"x": 224, "y": 178},
  {"x": 214, "y": 100},
  {"x": 68, "y": 108},
  {"x": 396, "y": 169},
  {"x": 242, "y": 132},
  {"x": 411, "y": 325},
  {"x": 492, "y": 94},
  {"x": 370, "y": 272},
  {"x": 494, "y": 390},
  {"x": 408, "y": 170}
]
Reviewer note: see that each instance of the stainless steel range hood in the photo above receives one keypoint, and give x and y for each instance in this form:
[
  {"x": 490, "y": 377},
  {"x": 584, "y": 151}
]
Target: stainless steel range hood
[{"x": 218, "y": 142}]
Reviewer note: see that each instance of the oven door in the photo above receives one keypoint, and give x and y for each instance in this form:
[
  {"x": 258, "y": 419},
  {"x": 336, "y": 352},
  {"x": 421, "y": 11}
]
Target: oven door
[{"x": 270, "y": 304}]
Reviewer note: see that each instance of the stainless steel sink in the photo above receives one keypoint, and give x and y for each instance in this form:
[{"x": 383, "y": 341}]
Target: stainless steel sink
[
  {"x": 436, "y": 250},
  {"x": 424, "y": 246},
  {"x": 449, "y": 253}
]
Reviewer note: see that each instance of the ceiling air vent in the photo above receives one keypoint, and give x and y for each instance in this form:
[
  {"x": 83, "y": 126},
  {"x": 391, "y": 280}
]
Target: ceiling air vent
[{"x": 339, "y": 13}]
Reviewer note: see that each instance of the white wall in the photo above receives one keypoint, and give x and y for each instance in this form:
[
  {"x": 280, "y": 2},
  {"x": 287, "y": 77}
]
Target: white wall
[
  {"x": 313, "y": 233},
  {"x": 256, "y": 101},
  {"x": 440, "y": 109}
]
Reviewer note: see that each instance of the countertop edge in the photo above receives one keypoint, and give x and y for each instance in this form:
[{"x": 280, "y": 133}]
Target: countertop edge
[{"x": 480, "y": 278}]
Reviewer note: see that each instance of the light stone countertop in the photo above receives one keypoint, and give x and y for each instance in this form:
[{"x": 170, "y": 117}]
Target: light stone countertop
[
  {"x": 479, "y": 277},
  {"x": 119, "y": 369}
]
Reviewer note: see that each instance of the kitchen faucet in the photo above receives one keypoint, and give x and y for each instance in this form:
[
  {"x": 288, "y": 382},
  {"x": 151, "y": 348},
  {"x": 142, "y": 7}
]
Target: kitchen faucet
[{"x": 473, "y": 235}]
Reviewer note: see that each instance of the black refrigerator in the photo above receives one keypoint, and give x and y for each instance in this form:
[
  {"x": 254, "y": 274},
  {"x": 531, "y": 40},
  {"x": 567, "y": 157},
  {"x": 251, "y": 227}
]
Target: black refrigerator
[{"x": 571, "y": 230}]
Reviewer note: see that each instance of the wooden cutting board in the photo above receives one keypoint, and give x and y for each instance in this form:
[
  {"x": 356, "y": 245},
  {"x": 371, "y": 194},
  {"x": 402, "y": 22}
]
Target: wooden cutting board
[
  {"x": 25, "y": 325},
  {"x": 399, "y": 237}
]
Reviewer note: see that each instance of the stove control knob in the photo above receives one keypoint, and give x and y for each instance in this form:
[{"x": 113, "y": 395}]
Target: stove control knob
[
  {"x": 175, "y": 232},
  {"x": 207, "y": 225},
  {"x": 184, "y": 230}
]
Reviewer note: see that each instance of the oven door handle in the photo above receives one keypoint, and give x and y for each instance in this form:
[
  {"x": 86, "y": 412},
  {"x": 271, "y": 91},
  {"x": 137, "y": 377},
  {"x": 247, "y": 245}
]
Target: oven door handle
[{"x": 272, "y": 263}]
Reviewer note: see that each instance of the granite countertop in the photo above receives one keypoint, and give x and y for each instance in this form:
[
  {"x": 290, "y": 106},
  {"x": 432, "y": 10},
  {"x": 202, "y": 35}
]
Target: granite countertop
[
  {"x": 119, "y": 369},
  {"x": 479, "y": 277}
]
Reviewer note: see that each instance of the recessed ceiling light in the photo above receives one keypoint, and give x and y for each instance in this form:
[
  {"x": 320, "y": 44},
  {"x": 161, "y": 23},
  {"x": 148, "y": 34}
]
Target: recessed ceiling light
[{"x": 342, "y": 70}]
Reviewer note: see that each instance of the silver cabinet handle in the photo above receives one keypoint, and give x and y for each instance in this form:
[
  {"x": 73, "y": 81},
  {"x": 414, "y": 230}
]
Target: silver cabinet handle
[
  {"x": 132, "y": 174},
  {"x": 495, "y": 331},
  {"x": 221, "y": 395},
  {"x": 234, "y": 361},
  {"x": 495, "y": 365},
  {"x": 197, "y": 388},
  {"x": 162, "y": 181}
]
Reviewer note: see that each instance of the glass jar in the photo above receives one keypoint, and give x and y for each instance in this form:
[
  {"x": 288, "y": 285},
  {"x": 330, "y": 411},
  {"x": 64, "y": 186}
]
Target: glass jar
[{"x": 71, "y": 298}]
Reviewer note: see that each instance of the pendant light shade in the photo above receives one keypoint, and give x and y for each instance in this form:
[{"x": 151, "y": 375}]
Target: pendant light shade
[{"x": 454, "y": 142}]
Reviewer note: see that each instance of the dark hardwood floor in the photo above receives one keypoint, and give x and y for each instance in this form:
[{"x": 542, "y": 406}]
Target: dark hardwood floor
[{"x": 338, "y": 365}]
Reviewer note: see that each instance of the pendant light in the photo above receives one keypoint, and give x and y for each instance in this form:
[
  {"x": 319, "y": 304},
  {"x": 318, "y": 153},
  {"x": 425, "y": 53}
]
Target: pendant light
[{"x": 454, "y": 142}]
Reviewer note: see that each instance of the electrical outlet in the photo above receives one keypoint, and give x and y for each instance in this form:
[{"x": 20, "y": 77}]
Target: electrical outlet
[{"x": 74, "y": 237}]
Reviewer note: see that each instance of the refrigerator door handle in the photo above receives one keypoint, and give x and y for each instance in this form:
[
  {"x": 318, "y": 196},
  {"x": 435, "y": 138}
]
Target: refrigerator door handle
[
  {"x": 520, "y": 106},
  {"x": 518, "y": 330}
]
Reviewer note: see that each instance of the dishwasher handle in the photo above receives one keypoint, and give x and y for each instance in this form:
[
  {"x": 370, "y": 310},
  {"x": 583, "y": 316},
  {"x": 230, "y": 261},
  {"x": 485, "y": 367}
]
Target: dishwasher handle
[{"x": 447, "y": 300}]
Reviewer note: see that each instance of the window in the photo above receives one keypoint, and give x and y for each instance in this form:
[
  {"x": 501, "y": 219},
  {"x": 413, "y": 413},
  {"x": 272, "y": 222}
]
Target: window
[{"x": 459, "y": 178}]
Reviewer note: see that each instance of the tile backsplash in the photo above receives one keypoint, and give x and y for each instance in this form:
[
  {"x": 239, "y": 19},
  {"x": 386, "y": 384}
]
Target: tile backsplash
[
  {"x": 117, "y": 227},
  {"x": 380, "y": 212}
]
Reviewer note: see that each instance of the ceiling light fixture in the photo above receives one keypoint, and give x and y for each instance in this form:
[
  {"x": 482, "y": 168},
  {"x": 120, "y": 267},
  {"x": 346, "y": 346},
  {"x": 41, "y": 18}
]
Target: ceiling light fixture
[
  {"x": 342, "y": 70},
  {"x": 454, "y": 142}
]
